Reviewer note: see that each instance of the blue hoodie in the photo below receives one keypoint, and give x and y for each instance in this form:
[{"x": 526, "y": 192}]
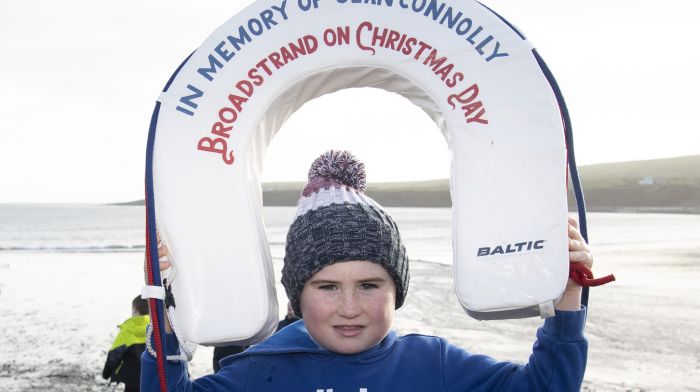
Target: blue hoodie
[{"x": 291, "y": 361}]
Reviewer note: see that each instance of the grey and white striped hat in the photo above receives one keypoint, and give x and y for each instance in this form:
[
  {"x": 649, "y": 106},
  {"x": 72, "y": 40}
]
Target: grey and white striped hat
[{"x": 335, "y": 222}]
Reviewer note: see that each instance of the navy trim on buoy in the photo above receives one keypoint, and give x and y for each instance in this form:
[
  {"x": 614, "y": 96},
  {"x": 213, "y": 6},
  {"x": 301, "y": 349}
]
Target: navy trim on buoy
[{"x": 571, "y": 158}]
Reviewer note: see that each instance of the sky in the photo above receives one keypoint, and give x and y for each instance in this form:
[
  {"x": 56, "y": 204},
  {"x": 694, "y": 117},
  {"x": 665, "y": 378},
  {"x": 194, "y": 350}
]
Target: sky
[{"x": 79, "y": 79}]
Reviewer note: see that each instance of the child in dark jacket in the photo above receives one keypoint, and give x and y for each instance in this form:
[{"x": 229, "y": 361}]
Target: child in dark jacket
[
  {"x": 345, "y": 272},
  {"x": 123, "y": 364}
]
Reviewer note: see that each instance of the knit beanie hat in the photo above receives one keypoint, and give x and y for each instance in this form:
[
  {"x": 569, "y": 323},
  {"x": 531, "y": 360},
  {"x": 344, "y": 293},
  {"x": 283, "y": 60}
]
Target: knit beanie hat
[{"x": 335, "y": 222}]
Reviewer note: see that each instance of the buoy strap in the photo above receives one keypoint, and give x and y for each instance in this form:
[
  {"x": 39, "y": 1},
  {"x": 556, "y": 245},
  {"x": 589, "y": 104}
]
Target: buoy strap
[{"x": 157, "y": 292}]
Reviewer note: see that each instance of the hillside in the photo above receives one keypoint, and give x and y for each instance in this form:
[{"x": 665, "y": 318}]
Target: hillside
[
  {"x": 661, "y": 185},
  {"x": 670, "y": 171},
  {"x": 434, "y": 193}
]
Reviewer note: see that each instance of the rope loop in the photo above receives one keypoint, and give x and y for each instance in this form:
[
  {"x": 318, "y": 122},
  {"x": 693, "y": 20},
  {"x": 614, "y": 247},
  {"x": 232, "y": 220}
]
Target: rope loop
[
  {"x": 187, "y": 349},
  {"x": 583, "y": 276}
]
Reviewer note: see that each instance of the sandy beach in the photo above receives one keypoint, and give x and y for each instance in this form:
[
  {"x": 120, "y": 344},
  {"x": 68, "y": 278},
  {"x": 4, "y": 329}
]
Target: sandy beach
[{"x": 59, "y": 312}]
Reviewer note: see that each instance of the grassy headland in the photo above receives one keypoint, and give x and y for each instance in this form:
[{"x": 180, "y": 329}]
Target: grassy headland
[{"x": 660, "y": 185}]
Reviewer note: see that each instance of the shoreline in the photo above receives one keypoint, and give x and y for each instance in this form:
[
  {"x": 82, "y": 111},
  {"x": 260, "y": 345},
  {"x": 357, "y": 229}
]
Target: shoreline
[
  {"x": 644, "y": 210},
  {"x": 675, "y": 210}
]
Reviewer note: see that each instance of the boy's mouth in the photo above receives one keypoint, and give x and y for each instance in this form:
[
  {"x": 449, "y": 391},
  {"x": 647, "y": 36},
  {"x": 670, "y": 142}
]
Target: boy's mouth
[{"x": 349, "y": 330}]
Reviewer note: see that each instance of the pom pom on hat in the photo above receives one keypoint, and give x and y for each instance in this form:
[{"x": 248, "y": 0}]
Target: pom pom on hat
[{"x": 340, "y": 166}]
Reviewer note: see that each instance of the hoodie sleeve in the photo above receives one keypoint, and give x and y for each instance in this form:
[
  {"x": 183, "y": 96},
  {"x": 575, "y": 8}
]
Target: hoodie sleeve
[
  {"x": 230, "y": 378},
  {"x": 114, "y": 359},
  {"x": 557, "y": 362}
]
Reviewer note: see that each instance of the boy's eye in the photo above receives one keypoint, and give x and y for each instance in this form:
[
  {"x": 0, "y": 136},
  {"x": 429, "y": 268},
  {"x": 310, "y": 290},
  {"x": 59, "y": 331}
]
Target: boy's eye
[
  {"x": 368, "y": 286},
  {"x": 328, "y": 287}
]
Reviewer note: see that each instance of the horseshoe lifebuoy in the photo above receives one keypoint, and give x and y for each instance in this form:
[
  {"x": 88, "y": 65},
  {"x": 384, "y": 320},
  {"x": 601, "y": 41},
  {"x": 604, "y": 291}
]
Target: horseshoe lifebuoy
[{"x": 474, "y": 74}]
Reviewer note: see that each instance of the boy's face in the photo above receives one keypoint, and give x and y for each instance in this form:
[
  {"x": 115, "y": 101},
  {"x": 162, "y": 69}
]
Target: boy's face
[{"x": 348, "y": 307}]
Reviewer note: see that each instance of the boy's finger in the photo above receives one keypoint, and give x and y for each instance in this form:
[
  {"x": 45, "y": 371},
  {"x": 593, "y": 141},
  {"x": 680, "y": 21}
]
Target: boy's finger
[
  {"x": 164, "y": 264},
  {"x": 574, "y": 234},
  {"x": 578, "y": 245},
  {"x": 573, "y": 222},
  {"x": 163, "y": 258},
  {"x": 582, "y": 257}
]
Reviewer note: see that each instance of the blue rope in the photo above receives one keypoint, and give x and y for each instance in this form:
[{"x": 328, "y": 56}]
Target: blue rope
[
  {"x": 504, "y": 20},
  {"x": 151, "y": 216},
  {"x": 569, "y": 137}
]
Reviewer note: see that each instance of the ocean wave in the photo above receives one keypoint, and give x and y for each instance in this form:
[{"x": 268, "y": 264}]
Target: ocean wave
[{"x": 76, "y": 249}]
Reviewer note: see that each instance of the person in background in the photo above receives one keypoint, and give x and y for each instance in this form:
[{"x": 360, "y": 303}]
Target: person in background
[
  {"x": 289, "y": 318},
  {"x": 123, "y": 364},
  {"x": 224, "y": 351}
]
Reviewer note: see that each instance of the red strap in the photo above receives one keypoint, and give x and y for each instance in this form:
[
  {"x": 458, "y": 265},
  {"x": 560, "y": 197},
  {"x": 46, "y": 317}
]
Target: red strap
[{"x": 583, "y": 276}]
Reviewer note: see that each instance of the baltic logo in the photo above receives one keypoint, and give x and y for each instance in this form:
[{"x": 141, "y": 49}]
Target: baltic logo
[{"x": 510, "y": 248}]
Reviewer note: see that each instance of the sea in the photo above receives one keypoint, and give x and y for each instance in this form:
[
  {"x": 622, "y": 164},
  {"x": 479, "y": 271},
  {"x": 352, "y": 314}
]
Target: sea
[
  {"x": 426, "y": 232},
  {"x": 81, "y": 228}
]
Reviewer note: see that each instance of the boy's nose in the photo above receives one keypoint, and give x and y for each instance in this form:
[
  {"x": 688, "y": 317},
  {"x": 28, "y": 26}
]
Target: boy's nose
[{"x": 349, "y": 306}]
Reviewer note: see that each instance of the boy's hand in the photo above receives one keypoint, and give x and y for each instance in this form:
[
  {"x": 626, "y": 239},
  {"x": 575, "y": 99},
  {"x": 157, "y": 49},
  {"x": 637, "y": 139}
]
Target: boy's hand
[
  {"x": 164, "y": 263},
  {"x": 579, "y": 252},
  {"x": 163, "y": 258}
]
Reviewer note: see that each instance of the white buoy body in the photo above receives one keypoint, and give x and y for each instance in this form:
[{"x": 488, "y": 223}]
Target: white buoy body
[{"x": 463, "y": 65}]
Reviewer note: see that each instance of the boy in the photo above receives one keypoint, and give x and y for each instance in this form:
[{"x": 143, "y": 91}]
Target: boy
[
  {"x": 124, "y": 358},
  {"x": 345, "y": 272}
]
